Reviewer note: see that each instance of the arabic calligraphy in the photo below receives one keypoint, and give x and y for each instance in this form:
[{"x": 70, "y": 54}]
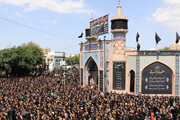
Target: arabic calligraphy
[
  {"x": 157, "y": 79},
  {"x": 104, "y": 18},
  {"x": 157, "y": 70},
  {"x": 99, "y": 26},
  {"x": 117, "y": 66},
  {"x": 119, "y": 75}
]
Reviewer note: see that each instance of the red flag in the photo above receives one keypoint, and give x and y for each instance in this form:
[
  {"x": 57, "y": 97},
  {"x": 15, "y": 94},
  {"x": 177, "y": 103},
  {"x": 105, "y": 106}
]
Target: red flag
[{"x": 152, "y": 117}]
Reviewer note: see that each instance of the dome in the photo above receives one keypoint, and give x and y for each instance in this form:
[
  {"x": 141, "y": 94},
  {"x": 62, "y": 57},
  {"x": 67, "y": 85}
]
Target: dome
[{"x": 175, "y": 46}]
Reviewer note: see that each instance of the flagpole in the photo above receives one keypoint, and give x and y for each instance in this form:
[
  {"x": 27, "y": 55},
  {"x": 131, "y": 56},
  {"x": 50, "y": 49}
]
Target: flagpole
[
  {"x": 156, "y": 47},
  {"x": 157, "y": 52},
  {"x": 82, "y": 39}
]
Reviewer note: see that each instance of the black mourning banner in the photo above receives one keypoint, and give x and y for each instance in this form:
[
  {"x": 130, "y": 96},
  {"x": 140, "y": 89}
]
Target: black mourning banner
[
  {"x": 157, "y": 79},
  {"x": 101, "y": 80},
  {"x": 81, "y": 76},
  {"x": 119, "y": 75},
  {"x": 99, "y": 26}
]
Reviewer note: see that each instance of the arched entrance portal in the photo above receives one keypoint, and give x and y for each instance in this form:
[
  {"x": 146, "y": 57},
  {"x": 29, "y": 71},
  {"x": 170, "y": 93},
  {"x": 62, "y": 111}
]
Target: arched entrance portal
[
  {"x": 92, "y": 70},
  {"x": 132, "y": 80},
  {"x": 156, "y": 79}
]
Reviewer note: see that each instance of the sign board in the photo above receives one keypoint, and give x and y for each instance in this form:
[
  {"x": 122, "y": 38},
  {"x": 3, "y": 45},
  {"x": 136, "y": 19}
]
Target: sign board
[
  {"x": 156, "y": 79},
  {"x": 160, "y": 53},
  {"x": 101, "y": 80},
  {"x": 119, "y": 69},
  {"x": 99, "y": 26}
]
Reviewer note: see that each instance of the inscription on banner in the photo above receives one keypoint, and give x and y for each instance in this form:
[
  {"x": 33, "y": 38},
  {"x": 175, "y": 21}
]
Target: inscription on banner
[
  {"x": 157, "y": 79},
  {"x": 119, "y": 75},
  {"x": 99, "y": 26}
]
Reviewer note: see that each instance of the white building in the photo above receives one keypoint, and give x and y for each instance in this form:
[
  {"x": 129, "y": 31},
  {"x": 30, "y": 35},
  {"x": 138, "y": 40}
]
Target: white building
[{"x": 51, "y": 56}]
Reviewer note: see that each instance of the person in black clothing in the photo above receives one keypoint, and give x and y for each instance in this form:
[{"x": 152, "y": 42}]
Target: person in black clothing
[
  {"x": 171, "y": 101},
  {"x": 47, "y": 97},
  {"x": 11, "y": 114}
]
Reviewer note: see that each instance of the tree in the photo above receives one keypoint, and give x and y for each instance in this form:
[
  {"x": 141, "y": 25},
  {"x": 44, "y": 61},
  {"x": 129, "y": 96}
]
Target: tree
[
  {"x": 23, "y": 59},
  {"x": 165, "y": 49},
  {"x": 73, "y": 60},
  {"x": 8, "y": 58},
  {"x": 68, "y": 61}
]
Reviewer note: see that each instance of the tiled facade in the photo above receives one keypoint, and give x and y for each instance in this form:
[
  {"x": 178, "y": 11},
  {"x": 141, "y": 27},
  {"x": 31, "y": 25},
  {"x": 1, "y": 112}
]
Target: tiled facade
[{"x": 131, "y": 63}]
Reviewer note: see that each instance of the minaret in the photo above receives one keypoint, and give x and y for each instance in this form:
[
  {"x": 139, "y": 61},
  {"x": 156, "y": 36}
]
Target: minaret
[
  {"x": 119, "y": 28},
  {"x": 88, "y": 34}
]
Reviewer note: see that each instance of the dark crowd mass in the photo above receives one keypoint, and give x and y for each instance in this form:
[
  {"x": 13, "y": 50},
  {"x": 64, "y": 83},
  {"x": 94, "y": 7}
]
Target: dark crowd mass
[{"x": 59, "y": 96}]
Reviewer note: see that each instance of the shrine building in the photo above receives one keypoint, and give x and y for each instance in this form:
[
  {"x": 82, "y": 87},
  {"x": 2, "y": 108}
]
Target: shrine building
[{"x": 115, "y": 68}]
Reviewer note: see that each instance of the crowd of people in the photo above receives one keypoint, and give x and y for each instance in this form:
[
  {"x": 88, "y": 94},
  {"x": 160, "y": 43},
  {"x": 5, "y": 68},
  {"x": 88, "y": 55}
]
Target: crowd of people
[{"x": 59, "y": 96}]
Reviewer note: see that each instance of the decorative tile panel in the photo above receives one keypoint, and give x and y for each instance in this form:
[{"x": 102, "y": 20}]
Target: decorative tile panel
[
  {"x": 177, "y": 76},
  {"x": 145, "y": 60},
  {"x": 81, "y": 60},
  {"x": 107, "y": 51},
  {"x": 137, "y": 74},
  {"x": 101, "y": 59},
  {"x": 91, "y": 47},
  {"x": 107, "y": 81},
  {"x": 101, "y": 46},
  {"x": 93, "y": 55},
  {"x": 131, "y": 63},
  {"x": 168, "y": 60}
]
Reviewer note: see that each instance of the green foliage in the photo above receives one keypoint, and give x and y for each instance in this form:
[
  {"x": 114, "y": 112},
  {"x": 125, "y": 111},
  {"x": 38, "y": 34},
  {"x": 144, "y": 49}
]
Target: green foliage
[
  {"x": 3, "y": 73},
  {"x": 165, "y": 49},
  {"x": 21, "y": 60},
  {"x": 72, "y": 60}
]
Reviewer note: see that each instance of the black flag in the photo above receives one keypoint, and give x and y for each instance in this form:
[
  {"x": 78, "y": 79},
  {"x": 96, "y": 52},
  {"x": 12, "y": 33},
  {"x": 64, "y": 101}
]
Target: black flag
[
  {"x": 157, "y": 38},
  {"x": 137, "y": 37},
  {"x": 101, "y": 28},
  {"x": 138, "y": 46},
  {"x": 81, "y": 35},
  {"x": 177, "y": 38}
]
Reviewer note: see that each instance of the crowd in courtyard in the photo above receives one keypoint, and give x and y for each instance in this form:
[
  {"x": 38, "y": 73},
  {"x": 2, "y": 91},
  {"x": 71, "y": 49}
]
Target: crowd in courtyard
[{"x": 59, "y": 96}]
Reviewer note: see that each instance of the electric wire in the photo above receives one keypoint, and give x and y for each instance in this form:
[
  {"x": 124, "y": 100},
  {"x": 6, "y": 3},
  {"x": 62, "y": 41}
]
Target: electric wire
[
  {"x": 52, "y": 34},
  {"x": 35, "y": 29}
]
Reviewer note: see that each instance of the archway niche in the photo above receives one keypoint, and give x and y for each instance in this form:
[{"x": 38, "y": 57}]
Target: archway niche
[
  {"x": 92, "y": 72},
  {"x": 156, "y": 79},
  {"x": 132, "y": 80}
]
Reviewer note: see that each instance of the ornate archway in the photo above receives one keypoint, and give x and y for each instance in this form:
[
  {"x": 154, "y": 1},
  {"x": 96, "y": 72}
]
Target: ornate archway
[
  {"x": 156, "y": 79},
  {"x": 91, "y": 71},
  {"x": 132, "y": 80}
]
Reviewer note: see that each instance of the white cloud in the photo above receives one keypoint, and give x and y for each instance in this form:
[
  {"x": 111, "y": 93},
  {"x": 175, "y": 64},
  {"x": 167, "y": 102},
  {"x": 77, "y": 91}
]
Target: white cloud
[
  {"x": 60, "y": 6},
  {"x": 17, "y": 14},
  {"x": 149, "y": 19},
  {"x": 50, "y": 21},
  {"x": 169, "y": 15},
  {"x": 54, "y": 22}
]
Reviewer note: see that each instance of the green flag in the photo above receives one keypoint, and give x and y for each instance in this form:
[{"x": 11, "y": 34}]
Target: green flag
[{"x": 69, "y": 72}]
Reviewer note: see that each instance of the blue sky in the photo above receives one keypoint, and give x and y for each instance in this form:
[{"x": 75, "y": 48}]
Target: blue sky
[{"x": 66, "y": 19}]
